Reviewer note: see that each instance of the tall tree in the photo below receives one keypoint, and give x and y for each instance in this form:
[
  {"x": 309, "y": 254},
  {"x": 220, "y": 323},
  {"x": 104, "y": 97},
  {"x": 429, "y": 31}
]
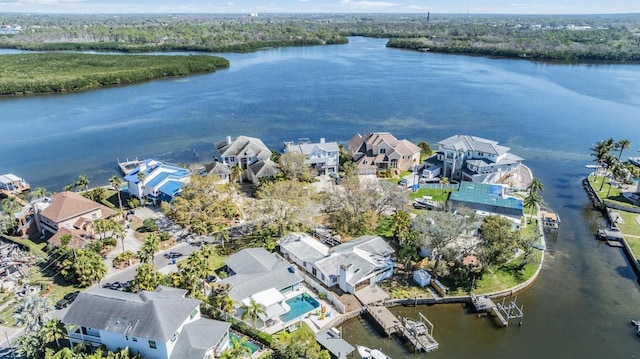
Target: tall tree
[
  {"x": 622, "y": 145},
  {"x": 283, "y": 204},
  {"x": 252, "y": 311},
  {"x": 149, "y": 248},
  {"x": 237, "y": 350},
  {"x": 293, "y": 166},
  {"x": 401, "y": 225},
  {"x": 31, "y": 311},
  {"x": 146, "y": 278},
  {"x": 82, "y": 182},
  {"x": 535, "y": 186},
  {"x": 116, "y": 183},
  {"x": 533, "y": 201},
  {"x": 499, "y": 239},
  {"x": 53, "y": 331}
]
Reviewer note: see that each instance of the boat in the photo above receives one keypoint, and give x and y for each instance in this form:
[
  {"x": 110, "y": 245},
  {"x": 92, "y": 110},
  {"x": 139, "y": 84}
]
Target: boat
[
  {"x": 367, "y": 353},
  {"x": 634, "y": 322}
]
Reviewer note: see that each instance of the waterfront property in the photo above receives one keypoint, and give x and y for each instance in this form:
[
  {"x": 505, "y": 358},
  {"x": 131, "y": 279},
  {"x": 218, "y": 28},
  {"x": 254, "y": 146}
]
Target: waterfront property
[
  {"x": 159, "y": 324},
  {"x": 491, "y": 198},
  {"x": 156, "y": 181},
  {"x": 379, "y": 151},
  {"x": 475, "y": 159},
  {"x": 352, "y": 265},
  {"x": 11, "y": 184},
  {"x": 244, "y": 151},
  {"x": 255, "y": 274},
  {"x": 68, "y": 213},
  {"x": 322, "y": 157}
]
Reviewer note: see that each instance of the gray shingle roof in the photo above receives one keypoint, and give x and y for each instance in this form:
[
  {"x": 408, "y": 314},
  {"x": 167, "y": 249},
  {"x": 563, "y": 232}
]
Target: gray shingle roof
[
  {"x": 464, "y": 143},
  {"x": 149, "y": 315},
  {"x": 198, "y": 337}
]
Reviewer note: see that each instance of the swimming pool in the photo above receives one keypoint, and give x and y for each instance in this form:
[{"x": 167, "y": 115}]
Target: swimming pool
[
  {"x": 254, "y": 348},
  {"x": 300, "y": 305}
]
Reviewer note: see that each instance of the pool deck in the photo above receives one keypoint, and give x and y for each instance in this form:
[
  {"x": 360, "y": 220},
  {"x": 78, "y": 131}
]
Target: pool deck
[{"x": 312, "y": 318}]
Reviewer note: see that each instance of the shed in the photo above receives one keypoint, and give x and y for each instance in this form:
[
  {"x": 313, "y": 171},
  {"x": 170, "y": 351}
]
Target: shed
[{"x": 422, "y": 277}]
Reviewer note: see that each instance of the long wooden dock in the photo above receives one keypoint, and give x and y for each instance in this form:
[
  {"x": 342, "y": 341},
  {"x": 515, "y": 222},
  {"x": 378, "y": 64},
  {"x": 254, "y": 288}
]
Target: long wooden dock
[{"x": 416, "y": 332}]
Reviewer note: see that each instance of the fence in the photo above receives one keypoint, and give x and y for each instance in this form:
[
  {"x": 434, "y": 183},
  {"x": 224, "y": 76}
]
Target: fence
[
  {"x": 320, "y": 289},
  {"x": 449, "y": 187}
]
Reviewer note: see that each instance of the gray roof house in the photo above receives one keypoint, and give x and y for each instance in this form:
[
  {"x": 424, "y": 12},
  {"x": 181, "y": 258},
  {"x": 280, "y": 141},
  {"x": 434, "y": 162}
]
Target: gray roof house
[
  {"x": 363, "y": 261},
  {"x": 322, "y": 157},
  {"x": 255, "y": 273},
  {"x": 242, "y": 151},
  {"x": 162, "y": 324},
  {"x": 261, "y": 170},
  {"x": 475, "y": 159},
  {"x": 219, "y": 169}
]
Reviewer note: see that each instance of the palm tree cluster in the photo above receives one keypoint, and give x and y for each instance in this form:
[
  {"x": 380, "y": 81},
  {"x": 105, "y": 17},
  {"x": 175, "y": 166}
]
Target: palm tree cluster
[
  {"x": 607, "y": 154},
  {"x": 533, "y": 200},
  {"x": 81, "y": 183}
]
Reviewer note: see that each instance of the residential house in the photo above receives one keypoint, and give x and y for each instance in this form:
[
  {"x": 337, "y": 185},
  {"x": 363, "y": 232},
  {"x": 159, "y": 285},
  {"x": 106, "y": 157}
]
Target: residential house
[
  {"x": 255, "y": 273},
  {"x": 487, "y": 198},
  {"x": 263, "y": 169},
  {"x": 469, "y": 158},
  {"x": 12, "y": 184},
  {"x": 218, "y": 169},
  {"x": 157, "y": 325},
  {"x": 68, "y": 213},
  {"x": 323, "y": 157},
  {"x": 379, "y": 151},
  {"x": 160, "y": 181},
  {"x": 352, "y": 265}
]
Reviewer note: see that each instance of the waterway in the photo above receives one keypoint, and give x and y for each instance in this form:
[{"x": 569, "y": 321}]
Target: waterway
[{"x": 549, "y": 114}]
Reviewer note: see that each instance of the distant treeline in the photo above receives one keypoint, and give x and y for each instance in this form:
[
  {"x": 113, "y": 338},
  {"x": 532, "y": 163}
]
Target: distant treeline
[
  {"x": 613, "y": 38},
  {"x": 64, "y": 72}
]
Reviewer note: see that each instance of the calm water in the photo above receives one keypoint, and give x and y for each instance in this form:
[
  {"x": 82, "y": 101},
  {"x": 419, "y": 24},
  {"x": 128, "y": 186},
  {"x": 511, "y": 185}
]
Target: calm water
[{"x": 549, "y": 114}]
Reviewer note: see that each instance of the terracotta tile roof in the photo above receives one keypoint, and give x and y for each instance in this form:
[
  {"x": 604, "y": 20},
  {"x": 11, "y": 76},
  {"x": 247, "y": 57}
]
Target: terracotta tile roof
[
  {"x": 79, "y": 238},
  {"x": 67, "y": 205}
]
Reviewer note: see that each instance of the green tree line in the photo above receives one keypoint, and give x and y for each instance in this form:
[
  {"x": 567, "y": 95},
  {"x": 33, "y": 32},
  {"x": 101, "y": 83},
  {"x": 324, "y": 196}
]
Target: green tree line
[{"x": 63, "y": 72}]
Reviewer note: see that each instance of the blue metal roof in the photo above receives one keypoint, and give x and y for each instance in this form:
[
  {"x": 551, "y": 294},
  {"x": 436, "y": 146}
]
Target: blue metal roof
[{"x": 171, "y": 188}]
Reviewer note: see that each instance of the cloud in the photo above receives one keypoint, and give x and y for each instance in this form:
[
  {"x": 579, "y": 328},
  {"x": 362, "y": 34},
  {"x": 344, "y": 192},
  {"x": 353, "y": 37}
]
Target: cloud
[
  {"x": 368, "y": 4},
  {"x": 304, "y": 0}
]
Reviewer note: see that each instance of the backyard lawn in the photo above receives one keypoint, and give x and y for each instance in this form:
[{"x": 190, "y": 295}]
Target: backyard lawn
[{"x": 631, "y": 230}]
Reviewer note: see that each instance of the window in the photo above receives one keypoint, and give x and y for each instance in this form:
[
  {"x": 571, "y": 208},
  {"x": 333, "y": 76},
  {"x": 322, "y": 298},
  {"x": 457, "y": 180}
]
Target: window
[
  {"x": 152, "y": 344},
  {"x": 134, "y": 339},
  {"x": 94, "y": 216},
  {"x": 193, "y": 314},
  {"x": 383, "y": 150},
  {"x": 314, "y": 271}
]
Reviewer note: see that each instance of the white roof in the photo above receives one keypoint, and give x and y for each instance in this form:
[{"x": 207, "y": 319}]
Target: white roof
[
  {"x": 266, "y": 297},
  {"x": 9, "y": 177}
]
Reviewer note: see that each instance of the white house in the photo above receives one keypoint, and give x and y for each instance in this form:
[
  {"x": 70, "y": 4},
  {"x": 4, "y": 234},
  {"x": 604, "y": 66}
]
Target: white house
[
  {"x": 469, "y": 158},
  {"x": 163, "y": 324},
  {"x": 249, "y": 153},
  {"x": 323, "y": 157},
  {"x": 361, "y": 262},
  {"x": 160, "y": 181},
  {"x": 255, "y": 273},
  {"x": 381, "y": 151}
]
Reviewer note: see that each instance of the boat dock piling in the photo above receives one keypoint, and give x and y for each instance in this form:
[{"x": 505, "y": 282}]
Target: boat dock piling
[
  {"x": 418, "y": 333},
  {"x": 500, "y": 312}
]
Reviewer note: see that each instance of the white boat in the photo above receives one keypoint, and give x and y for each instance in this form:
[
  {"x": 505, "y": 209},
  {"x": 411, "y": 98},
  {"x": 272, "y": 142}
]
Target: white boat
[{"x": 367, "y": 353}]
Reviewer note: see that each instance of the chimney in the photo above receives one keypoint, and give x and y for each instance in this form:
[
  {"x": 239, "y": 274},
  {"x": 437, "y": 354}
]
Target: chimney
[
  {"x": 321, "y": 139},
  {"x": 228, "y": 140}
]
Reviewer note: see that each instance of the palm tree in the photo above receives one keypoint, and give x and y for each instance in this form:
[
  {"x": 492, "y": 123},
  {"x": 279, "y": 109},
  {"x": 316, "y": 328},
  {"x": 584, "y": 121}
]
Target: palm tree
[
  {"x": 141, "y": 177},
  {"x": 83, "y": 181},
  {"x": 535, "y": 186},
  {"x": 253, "y": 310},
  {"x": 115, "y": 183},
  {"x": 533, "y": 200},
  {"x": 609, "y": 160},
  {"x": 31, "y": 312},
  {"x": 149, "y": 248},
  {"x": 53, "y": 330},
  {"x": 236, "y": 172},
  {"x": 237, "y": 349},
  {"x": 622, "y": 145},
  {"x": 223, "y": 234},
  {"x": 38, "y": 192},
  {"x": 147, "y": 277},
  {"x": 120, "y": 232},
  {"x": 444, "y": 181},
  {"x": 10, "y": 206}
]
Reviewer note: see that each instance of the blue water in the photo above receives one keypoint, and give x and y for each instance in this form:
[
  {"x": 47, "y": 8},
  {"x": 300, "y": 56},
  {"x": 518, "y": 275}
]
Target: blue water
[{"x": 300, "y": 305}]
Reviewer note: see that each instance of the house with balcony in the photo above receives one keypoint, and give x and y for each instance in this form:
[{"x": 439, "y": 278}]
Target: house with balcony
[
  {"x": 157, "y": 181},
  {"x": 256, "y": 274},
  {"x": 361, "y": 262},
  {"x": 323, "y": 157},
  {"x": 380, "y": 151},
  {"x": 163, "y": 324},
  {"x": 68, "y": 213},
  {"x": 475, "y": 159}
]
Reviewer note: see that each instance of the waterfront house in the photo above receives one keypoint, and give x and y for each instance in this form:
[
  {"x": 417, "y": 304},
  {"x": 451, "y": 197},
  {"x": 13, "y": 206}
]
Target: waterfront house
[
  {"x": 322, "y": 157},
  {"x": 218, "y": 169},
  {"x": 241, "y": 151},
  {"x": 158, "y": 182},
  {"x": 255, "y": 273},
  {"x": 379, "y": 151},
  {"x": 487, "y": 198},
  {"x": 363, "y": 261},
  {"x": 475, "y": 159},
  {"x": 68, "y": 213},
  {"x": 163, "y": 324},
  {"x": 263, "y": 169},
  {"x": 11, "y": 184}
]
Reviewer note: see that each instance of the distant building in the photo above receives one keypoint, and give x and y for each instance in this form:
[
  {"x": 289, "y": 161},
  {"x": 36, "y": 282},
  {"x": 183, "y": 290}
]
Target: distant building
[
  {"x": 161, "y": 181},
  {"x": 323, "y": 157},
  {"x": 379, "y": 151},
  {"x": 163, "y": 324},
  {"x": 469, "y": 158}
]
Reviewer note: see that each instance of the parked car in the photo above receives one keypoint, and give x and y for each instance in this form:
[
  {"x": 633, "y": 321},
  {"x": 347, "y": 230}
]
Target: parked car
[{"x": 66, "y": 300}]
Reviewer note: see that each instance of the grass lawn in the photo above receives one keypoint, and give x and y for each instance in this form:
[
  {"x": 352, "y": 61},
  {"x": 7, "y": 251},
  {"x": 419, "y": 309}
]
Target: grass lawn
[
  {"x": 631, "y": 229},
  {"x": 437, "y": 194},
  {"x": 615, "y": 193}
]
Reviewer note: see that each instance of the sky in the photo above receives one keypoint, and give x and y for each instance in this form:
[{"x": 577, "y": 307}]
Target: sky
[{"x": 324, "y": 6}]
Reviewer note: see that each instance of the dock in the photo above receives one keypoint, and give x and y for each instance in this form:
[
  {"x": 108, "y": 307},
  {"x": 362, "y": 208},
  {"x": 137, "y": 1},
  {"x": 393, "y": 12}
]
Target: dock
[
  {"x": 500, "y": 312},
  {"x": 418, "y": 333},
  {"x": 127, "y": 166}
]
